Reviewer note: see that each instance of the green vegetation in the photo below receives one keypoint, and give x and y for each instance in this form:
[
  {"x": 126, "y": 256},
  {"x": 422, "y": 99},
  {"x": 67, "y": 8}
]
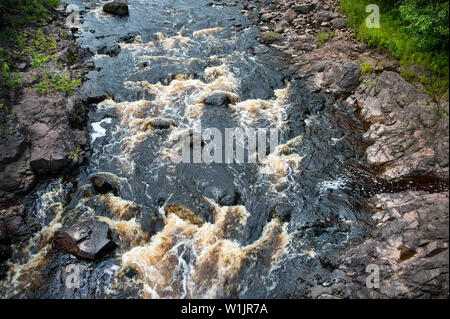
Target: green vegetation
[
  {"x": 35, "y": 46},
  {"x": 53, "y": 81},
  {"x": 76, "y": 153},
  {"x": 367, "y": 68},
  {"x": 324, "y": 36},
  {"x": 19, "y": 13},
  {"x": 7, "y": 77},
  {"x": 270, "y": 36},
  {"x": 413, "y": 31}
]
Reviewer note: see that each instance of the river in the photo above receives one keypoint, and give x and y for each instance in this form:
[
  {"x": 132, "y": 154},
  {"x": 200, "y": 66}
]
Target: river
[{"x": 270, "y": 229}]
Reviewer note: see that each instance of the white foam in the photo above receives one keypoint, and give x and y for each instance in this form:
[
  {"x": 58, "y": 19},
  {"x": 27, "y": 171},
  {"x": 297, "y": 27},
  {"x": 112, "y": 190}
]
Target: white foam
[{"x": 98, "y": 130}]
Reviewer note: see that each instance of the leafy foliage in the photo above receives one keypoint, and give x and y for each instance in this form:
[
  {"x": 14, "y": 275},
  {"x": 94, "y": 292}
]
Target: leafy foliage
[
  {"x": 413, "y": 31},
  {"x": 53, "y": 81},
  {"x": 427, "y": 21}
]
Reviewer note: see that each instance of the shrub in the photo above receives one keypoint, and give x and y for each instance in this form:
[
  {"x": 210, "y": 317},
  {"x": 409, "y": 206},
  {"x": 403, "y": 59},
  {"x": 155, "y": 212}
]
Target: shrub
[
  {"x": 427, "y": 21},
  {"x": 413, "y": 31}
]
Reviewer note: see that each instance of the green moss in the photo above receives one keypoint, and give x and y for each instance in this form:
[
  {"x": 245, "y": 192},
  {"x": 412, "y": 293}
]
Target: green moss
[
  {"x": 40, "y": 47},
  {"x": 8, "y": 78}
]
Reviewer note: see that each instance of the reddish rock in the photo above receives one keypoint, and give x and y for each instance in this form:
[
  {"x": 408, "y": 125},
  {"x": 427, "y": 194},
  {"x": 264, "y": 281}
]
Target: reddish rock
[
  {"x": 289, "y": 15},
  {"x": 102, "y": 186},
  {"x": 89, "y": 240},
  {"x": 15, "y": 222}
]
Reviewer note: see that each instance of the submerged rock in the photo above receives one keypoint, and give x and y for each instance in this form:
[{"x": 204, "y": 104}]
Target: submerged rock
[
  {"x": 102, "y": 186},
  {"x": 117, "y": 7},
  {"x": 112, "y": 51},
  {"x": 89, "y": 240}
]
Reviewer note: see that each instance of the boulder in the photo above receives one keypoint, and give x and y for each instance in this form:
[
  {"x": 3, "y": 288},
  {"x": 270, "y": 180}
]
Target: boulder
[
  {"x": 159, "y": 124},
  {"x": 102, "y": 186},
  {"x": 89, "y": 240},
  {"x": 337, "y": 77},
  {"x": 266, "y": 17},
  {"x": 112, "y": 51},
  {"x": 217, "y": 99},
  {"x": 15, "y": 223},
  {"x": 129, "y": 38},
  {"x": 339, "y": 23},
  {"x": 117, "y": 7},
  {"x": 53, "y": 148},
  {"x": 305, "y": 8}
]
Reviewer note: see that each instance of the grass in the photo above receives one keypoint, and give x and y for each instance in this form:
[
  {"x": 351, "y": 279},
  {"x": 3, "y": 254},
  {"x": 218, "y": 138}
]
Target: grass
[
  {"x": 367, "y": 68},
  {"x": 396, "y": 37},
  {"x": 325, "y": 36},
  {"x": 270, "y": 36}
]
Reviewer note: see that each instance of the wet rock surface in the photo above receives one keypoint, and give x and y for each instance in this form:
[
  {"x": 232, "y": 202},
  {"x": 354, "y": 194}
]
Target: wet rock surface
[
  {"x": 113, "y": 50},
  {"x": 116, "y": 7},
  {"x": 16, "y": 222},
  {"x": 102, "y": 186},
  {"x": 217, "y": 99},
  {"x": 88, "y": 240}
]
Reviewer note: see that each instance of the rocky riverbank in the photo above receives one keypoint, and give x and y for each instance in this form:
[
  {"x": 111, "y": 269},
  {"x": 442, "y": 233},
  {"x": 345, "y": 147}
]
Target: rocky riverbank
[
  {"x": 42, "y": 133},
  {"x": 408, "y": 139}
]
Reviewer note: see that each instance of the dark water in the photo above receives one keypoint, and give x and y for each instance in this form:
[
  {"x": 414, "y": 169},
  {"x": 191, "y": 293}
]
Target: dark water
[{"x": 270, "y": 229}]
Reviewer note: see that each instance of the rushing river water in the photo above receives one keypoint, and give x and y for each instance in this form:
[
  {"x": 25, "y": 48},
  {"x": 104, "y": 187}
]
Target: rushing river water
[{"x": 251, "y": 230}]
